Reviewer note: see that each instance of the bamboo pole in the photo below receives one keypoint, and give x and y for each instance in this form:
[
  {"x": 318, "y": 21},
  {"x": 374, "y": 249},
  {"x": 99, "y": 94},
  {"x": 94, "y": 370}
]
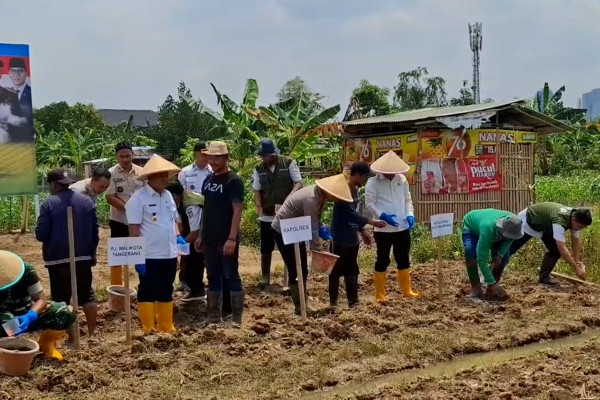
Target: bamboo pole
[
  {"x": 74, "y": 301},
  {"x": 300, "y": 282},
  {"x": 127, "y": 305}
]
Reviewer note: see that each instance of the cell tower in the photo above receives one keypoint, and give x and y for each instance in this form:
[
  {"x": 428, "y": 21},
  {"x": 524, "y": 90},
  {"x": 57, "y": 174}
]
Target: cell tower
[{"x": 475, "y": 40}]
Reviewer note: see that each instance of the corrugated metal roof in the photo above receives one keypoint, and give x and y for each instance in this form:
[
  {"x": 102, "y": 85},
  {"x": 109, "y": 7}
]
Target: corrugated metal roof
[{"x": 429, "y": 113}]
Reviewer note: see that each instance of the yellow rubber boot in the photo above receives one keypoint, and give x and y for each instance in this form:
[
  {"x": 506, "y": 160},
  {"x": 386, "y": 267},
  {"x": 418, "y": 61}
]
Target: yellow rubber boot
[
  {"x": 147, "y": 315},
  {"x": 405, "y": 283},
  {"x": 164, "y": 322},
  {"x": 47, "y": 343},
  {"x": 116, "y": 275},
  {"x": 380, "y": 278}
]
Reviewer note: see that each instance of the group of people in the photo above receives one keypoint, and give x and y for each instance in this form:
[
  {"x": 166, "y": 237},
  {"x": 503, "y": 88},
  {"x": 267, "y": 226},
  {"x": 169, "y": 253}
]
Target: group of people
[{"x": 203, "y": 208}]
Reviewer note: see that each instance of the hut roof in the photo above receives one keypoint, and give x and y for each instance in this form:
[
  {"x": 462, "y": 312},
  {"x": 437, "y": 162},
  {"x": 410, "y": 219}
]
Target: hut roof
[{"x": 516, "y": 109}]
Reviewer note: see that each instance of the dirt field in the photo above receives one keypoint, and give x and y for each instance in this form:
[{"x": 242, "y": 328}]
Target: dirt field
[{"x": 276, "y": 355}]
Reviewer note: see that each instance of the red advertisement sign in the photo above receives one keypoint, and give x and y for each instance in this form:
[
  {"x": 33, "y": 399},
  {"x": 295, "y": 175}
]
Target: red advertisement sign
[{"x": 483, "y": 174}]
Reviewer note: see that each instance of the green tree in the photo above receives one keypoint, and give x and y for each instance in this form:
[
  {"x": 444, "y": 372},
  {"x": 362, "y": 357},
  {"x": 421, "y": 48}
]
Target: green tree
[
  {"x": 465, "y": 97},
  {"x": 178, "y": 121},
  {"x": 296, "y": 89},
  {"x": 57, "y": 117},
  {"x": 416, "y": 90},
  {"x": 370, "y": 101}
]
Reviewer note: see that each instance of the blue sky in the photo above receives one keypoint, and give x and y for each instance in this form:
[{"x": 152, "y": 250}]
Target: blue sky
[{"x": 133, "y": 53}]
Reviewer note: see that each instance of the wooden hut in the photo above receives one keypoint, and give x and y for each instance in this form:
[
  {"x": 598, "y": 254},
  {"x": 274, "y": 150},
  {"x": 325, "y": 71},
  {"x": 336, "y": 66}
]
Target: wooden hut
[{"x": 461, "y": 158}]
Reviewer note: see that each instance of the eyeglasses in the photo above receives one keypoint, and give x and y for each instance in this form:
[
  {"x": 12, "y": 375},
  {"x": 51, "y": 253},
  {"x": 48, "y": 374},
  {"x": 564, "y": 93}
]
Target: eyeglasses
[{"x": 17, "y": 71}]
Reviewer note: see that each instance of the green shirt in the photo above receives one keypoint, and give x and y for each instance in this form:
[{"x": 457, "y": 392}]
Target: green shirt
[
  {"x": 17, "y": 298},
  {"x": 541, "y": 217},
  {"x": 483, "y": 224}
]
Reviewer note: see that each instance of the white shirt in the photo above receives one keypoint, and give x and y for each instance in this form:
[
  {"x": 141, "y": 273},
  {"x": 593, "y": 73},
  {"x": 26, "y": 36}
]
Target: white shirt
[
  {"x": 390, "y": 197},
  {"x": 191, "y": 178},
  {"x": 156, "y": 214},
  {"x": 558, "y": 232},
  {"x": 294, "y": 174}
]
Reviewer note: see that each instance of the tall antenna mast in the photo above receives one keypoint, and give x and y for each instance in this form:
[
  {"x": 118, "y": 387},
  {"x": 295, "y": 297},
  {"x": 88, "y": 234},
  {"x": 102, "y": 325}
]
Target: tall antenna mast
[{"x": 475, "y": 40}]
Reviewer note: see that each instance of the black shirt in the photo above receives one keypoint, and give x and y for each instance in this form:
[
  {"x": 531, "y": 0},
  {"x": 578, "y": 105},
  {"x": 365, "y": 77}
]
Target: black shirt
[{"x": 220, "y": 192}]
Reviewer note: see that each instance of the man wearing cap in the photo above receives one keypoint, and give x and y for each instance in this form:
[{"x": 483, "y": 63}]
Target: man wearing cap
[
  {"x": 52, "y": 231},
  {"x": 549, "y": 222},
  {"x": 22, "y": 297},
  {"x": 192, "y": 177},
  {"x": 96, "y": 185},
  {"x": 346, "y": 225},
  {"x": 123, "y": 184},
  {"x": 487, "y": 235},
  {"x": 388, "y": 198},
  {"x": 18, "y": 75},
  {"x": 273, "y": 181},
  {"x": 223, "y": 193},
  {"x": 152, "y": 214},
  {"x": 308, "y": 201}
]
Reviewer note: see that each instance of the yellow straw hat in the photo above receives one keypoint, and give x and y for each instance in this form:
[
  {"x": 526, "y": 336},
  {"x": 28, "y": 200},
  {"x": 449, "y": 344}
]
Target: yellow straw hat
[
  {"x": 390, "y": 163},
  {"x": 337, "y": 186},
  {"x": 11, "y": 269},
  {"x": 156, "y": 165},
  {"x": 216, "y": 148}
]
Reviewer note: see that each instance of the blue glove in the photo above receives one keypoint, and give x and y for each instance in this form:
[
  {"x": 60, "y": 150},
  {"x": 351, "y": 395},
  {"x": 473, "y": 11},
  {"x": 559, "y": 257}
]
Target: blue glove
[
  {"x": 324, "y": 233},
  {"x": 389, "y": 219},
  {"x": 411, "y": 222},
  {"x": 25, "y": 321},
  {"x": 181, "y": 240},
  {"x": 141, "y": 269}
]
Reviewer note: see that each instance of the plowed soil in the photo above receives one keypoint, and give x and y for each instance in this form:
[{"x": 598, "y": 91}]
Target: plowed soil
[{"x": 276, "y": 355}]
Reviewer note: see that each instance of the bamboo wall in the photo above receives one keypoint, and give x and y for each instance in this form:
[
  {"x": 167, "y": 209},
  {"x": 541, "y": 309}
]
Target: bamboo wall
[{"x": 517, "y": 169}]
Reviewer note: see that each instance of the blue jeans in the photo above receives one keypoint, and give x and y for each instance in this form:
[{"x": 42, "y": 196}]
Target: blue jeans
[
  {"x": 470, "y": 241},
  {"x": 222, "y": 269}
]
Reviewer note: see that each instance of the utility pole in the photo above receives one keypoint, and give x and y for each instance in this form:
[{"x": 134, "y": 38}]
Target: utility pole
[{"x": 475, "y": 39}]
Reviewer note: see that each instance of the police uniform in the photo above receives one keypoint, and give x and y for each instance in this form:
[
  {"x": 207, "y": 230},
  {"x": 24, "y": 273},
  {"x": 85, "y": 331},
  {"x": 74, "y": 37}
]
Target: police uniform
[
  {"x": 124, "y": 184},
  {"x": 84, "y": 186}
]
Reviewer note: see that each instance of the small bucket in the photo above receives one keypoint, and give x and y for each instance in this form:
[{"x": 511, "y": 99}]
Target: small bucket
[
  {"x": 323, "y": 261},
  {"x": 116, "y": 297},
  {"x": 11, "y": 327},
  {"x": 16, "y": 355},
  {"x": 184, "y": 249}
]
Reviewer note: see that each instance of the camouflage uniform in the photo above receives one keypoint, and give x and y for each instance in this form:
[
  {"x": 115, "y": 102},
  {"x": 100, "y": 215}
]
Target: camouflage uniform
[{"x": 17, "y": 300}]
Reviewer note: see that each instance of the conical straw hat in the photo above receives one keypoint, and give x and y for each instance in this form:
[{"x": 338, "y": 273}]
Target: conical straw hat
[
  {"x": 157, "y": 164},
  {"x": 337, "y": 186},
  {"x": 11, "y": 269},
  {"x": 390, "y": 163}
]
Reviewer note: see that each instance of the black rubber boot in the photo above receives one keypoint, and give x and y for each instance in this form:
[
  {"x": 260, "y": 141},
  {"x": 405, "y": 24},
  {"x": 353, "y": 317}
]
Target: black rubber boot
[
  {"x": 214, "y": 302},
  {"x": 295, "y": 293},
  {"x": 334, "y": 289},
  {"x": 548, "y": 264},
  {"x": 265, "y": 269},
  {"x": 352, "y": 290},
  {"x": 237, "y": 308}
]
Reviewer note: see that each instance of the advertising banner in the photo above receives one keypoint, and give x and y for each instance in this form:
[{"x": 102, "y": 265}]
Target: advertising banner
[
  {"x": 368, "y": 150},
  {"x": 457, "y": 161},
  {"x": 17, "y": 147}
]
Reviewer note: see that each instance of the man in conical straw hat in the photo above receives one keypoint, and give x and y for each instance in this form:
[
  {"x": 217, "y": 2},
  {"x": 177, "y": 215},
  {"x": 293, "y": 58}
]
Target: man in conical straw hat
[
  {"x": 152, "y": 214},
  {"x": 23, "y": 298},
  {"x": 388, "y": 198},
  {"x": 308, "y": 201}
]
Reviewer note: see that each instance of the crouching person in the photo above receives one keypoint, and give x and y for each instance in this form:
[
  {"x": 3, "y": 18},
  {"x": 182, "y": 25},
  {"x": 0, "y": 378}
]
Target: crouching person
[
  {"x": 152, "y": 214},
  {"x": 22, "y": 297},
  {"x": 488, "y": 234}
]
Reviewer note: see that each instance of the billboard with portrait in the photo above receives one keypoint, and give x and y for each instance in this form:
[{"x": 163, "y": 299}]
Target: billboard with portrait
[{"x": 17, "y": 138}]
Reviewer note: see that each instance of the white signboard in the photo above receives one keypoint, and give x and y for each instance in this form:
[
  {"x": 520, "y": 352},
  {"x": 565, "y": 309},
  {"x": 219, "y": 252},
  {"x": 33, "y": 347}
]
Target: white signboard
[
  {"x": 126, "y": 251},
  {"x": 295, "y": 230},
  {"x": 442, "y": 225}
]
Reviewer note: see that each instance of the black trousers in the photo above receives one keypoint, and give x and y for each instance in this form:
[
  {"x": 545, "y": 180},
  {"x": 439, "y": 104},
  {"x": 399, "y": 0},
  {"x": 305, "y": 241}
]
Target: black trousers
[
  {"x": 399, "y": 242},
  {"x": 118, "y": 229},
  {"x": 157, "y": 282},
  {"x": 347, "y": 264},
  {"x": 267, "y": 241},
  {"x": 548, "y": 241},
  {"x": 60, "y": 282},
  {"x": 194, "y": 271},
  {"x": 289, "y": 258}
]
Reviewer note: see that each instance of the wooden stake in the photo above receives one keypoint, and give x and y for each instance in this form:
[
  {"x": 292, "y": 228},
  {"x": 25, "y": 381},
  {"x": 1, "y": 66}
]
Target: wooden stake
[
  {"x": 300, "y": 282},
  {"x": 24, "y": 219},
  {"x": 284, "y": 284},
  {"x": 74, "y": 301},
  {"x": 439, "y": 243},
  {"x": 127, "y": 305}
]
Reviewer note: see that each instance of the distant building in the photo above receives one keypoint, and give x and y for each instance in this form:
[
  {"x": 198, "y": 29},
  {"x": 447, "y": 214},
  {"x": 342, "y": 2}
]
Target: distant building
[
  {"x": 140, "y": 117},
  {"x": 591, "y": 102}
]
